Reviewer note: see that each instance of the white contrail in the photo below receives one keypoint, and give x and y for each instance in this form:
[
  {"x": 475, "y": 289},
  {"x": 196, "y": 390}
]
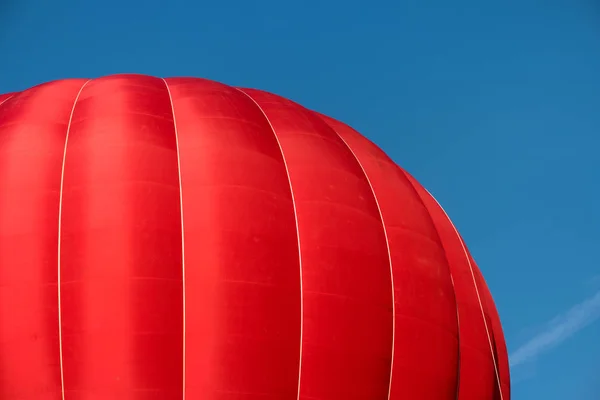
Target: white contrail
[{"x": 558, "y": 330}]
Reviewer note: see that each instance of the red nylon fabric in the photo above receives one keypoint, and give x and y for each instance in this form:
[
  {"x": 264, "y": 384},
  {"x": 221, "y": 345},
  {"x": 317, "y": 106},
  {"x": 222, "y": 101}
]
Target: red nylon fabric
[{"x": 184, "y": 239}]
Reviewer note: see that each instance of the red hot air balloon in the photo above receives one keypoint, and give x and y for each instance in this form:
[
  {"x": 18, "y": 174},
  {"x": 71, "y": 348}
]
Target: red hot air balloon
[{"x": 184, "y": 239}]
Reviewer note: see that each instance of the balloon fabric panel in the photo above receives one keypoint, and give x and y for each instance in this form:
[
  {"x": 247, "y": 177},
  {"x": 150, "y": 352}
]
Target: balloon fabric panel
[{"x": 183, "y": 239}]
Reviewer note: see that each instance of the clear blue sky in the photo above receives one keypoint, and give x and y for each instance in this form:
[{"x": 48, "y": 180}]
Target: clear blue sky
[{"x": 495, "y": 108}]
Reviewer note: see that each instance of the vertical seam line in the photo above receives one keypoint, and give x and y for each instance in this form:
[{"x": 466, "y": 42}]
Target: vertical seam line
[
  {"x": 287, "y": 171},
  {"x": 487, "y": 331},
  {"x": 387, "y": 244},
  {"x": 59, "y": 255},
  {"x": 435, "y": 228},
  {"x": 489, "y": 328},
  {"x": 6, "y": 99},
  {"x": 182, "y": 237}
]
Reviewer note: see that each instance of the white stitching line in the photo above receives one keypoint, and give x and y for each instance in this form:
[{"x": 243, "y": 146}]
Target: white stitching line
[
  {"x": 487, "y": 331},
  {"x": 7, "y": 99},
  {"x": 297, "y": 233},
  {"x": 60, "y": 204},
  {"x": 182, "y": 232},
  {"x": 491, "y": 328},
  {"x": 387, "y": 244},
  {"x": 445, "y": 252},
  {"x": 413, "y": 185}
]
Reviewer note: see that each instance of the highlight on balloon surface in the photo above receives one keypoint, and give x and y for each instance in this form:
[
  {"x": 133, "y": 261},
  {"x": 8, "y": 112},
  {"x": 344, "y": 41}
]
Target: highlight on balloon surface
[{"x": 184, "y": 239}]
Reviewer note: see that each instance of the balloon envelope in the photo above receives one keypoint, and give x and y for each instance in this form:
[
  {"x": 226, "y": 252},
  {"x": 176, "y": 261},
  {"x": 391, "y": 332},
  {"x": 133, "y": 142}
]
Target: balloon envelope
[{"x": 184, "y": 239}]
